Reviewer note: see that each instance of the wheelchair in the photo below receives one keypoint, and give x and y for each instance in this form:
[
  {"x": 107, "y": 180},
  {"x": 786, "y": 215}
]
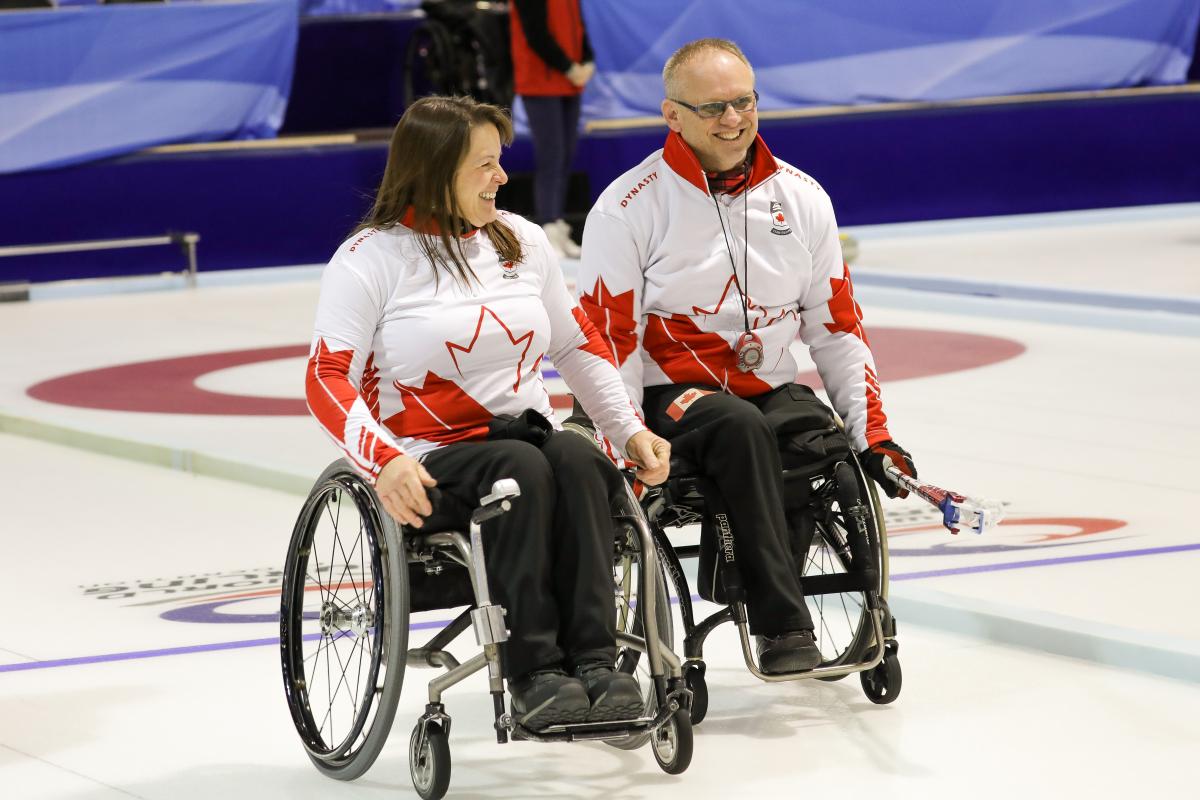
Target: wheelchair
[
  {"x": 460, "y": 49},
  {"x": 351, "y": 580},
  {"x": 839, "y": 546}
]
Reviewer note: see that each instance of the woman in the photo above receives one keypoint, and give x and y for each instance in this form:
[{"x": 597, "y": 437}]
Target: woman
[{"x": 431, "y": 325}]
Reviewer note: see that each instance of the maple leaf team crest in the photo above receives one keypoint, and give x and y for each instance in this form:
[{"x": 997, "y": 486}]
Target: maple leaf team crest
[
  {"x": 508, "y": 269},
  {"x": 779, "y": 224}
]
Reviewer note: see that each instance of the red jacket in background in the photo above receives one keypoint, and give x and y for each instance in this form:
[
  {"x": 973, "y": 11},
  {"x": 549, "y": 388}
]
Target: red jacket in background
[{"x": 535, "y": 75}]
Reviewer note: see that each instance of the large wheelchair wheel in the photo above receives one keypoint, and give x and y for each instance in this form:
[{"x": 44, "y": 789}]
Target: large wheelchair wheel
[
  {"x": 343, "y": 624},
  {"x": 627, "y": 572},
  {"x": 839, "y": 553}
]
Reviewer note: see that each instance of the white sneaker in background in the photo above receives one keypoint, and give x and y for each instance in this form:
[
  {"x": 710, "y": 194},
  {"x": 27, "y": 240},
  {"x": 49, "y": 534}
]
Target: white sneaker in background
[
  {"x": 570, "y": 249},
  {"x": 555, "y": 237}
]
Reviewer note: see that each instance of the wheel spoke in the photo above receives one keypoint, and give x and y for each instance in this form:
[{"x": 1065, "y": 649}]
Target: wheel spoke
[{"x": 348, "y": 560}]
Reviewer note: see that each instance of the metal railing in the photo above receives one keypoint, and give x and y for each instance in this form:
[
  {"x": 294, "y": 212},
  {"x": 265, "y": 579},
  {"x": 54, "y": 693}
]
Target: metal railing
[{"x": 186, "y": 241}]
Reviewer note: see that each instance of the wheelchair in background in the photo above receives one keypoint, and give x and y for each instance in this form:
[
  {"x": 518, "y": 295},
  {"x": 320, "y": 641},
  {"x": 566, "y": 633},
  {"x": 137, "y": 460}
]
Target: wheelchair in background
[
  {"x": 461, "y": 48},
  {"x": 351, "y": 580}
]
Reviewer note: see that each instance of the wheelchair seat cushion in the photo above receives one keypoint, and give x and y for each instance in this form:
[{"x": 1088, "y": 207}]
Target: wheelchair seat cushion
[{"x": 448, "y": 589}]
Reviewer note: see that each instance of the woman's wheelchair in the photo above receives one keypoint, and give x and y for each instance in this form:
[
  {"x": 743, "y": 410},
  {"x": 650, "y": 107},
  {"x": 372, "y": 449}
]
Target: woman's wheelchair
[{"x": 351, "y": 580}]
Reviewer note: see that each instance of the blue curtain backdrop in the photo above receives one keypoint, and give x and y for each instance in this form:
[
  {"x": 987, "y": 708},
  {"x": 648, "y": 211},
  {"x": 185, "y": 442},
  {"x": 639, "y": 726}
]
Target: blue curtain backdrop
[
  {"x": 83, "y": 83},
  {"x": 319, "y": 8},
  {"x": 822, "y": 52}
]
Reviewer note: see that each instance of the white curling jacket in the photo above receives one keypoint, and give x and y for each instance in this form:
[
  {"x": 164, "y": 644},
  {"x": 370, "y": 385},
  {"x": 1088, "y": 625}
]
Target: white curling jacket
[
  {"x": 406, "y": 361},
  {"x": 656, "y": 280}
]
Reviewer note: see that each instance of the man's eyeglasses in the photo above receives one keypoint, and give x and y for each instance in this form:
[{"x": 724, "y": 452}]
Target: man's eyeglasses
[{"x": 717, "y": 109}]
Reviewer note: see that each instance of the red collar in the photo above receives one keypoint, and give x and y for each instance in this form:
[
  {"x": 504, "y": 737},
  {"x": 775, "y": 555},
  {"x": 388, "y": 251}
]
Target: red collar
[
  {"x": 731, "y": 181},
  {"x": 683, "y": 162},
  {"x": 431, "y": 227}
]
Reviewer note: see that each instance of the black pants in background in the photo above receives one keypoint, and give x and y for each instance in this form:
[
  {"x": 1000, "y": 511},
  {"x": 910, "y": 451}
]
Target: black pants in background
[
  {"x": 728, "y": 439},
  {"x": 554, "y": 124},
  {"x": 549, "y": 560}
]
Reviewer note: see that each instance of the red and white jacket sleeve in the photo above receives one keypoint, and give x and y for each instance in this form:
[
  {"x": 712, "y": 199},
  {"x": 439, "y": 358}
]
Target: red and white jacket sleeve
[
  {"x": 348, "y": 312},
  {"x": 831, "y": 325},
  {"x": 610, "y": 292},
  {"x": 586, "y": 363}
]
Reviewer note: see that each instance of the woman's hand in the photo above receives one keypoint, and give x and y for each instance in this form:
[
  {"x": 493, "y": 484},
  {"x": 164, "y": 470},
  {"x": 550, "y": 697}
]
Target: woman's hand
[
  {"x": 401, "y": 488},
  {"x": 652, "y": 454}
]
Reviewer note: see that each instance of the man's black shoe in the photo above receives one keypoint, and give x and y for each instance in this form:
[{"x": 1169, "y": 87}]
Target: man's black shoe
[
  {"x": 613, "y": 695},
  {"x": 789, "y": 652},
  {"x": 548, "y": 697}
]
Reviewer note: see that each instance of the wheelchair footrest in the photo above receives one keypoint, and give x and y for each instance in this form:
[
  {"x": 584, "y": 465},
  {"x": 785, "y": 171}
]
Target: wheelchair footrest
[
  {"x": 585, "y": 731},
  {"x": 616, "y": 729}
]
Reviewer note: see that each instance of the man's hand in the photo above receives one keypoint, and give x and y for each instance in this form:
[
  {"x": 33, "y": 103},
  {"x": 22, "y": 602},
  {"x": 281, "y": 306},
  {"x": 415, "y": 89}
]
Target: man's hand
[
  {"x": 580, "y": 74},
  {"x": 401, "y": 488},
  {"x": 881, "y": 455},
  {"x": 652, "y": 454}
]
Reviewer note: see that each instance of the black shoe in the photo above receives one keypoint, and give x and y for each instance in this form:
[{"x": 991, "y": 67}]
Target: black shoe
[
  {"x": 613, "y": 695},
  {"x": 789, "y": 652},
  {"x": 548, "y": 697}
]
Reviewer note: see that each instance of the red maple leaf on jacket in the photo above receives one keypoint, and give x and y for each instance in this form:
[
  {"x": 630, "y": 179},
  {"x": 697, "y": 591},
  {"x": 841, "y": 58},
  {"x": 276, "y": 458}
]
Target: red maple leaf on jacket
[
  {"x": 612, "y": 314},
  {"x": 752, "y": 308},
  {"x": 687, "y": 354},
  {"x": 847, "y": 316},
  {"x": 595, "y": 343},
  {"x": 485, "y": 312},
  {"x": 438, "y": 411},
  {"x": 369, "y": 386}
]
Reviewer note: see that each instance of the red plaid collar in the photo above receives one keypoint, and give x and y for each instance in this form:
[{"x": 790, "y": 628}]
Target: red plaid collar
[{"x": 731, "y": 181}]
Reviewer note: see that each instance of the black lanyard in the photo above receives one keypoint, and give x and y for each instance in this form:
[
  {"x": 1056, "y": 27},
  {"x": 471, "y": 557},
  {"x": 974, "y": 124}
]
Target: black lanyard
[{"x": 743, "y": 294}]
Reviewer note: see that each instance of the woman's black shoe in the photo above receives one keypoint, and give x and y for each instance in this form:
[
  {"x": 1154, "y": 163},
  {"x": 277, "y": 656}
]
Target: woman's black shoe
[
  {"x": 613, "y": 695},
  {"x": 548, "y": 697}
]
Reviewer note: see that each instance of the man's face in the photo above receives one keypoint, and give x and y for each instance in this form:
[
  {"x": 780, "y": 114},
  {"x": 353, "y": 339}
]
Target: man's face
[{"x": 720, "y": 143}]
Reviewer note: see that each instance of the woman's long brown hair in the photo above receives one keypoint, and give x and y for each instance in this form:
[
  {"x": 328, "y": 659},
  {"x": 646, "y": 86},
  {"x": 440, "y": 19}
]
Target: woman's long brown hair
[{"x": 430, "y": 142}]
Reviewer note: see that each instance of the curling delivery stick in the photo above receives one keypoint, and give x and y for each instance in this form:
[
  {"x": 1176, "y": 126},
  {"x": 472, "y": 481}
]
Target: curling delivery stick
[{"x": 958, "y": 511}]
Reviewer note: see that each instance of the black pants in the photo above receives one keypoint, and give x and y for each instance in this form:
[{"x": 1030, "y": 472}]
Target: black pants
[
  {"x": 554, "y": 125},
  {"x": 549, "y": 560},
  {"x": 728, "y": 439}
]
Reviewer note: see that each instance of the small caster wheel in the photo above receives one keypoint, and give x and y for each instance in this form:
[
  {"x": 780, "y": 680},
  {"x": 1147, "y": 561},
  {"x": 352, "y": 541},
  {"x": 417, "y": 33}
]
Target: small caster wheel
[
  {"x": 672, "y": 743},
  {"x": 429, "y": 764},
  {"x": 693, "y": 676},
  {"x": 882, "y": 684}
]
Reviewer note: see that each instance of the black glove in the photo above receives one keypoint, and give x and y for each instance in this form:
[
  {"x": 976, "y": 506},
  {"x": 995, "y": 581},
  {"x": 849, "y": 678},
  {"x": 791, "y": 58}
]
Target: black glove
[
  {"x": 530, "y": 427},
  {"x": 881, "y": 455}
]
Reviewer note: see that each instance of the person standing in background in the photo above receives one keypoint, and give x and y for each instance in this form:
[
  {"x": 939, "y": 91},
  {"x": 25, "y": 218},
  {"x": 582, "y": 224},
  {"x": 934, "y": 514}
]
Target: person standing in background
[{"x": 552, "y": 62}]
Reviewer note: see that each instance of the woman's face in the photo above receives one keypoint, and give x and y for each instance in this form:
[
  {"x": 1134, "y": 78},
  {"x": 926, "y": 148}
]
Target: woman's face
[{"x": 479, "y": 176}]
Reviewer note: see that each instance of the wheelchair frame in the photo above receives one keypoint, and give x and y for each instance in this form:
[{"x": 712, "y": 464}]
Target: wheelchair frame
[
  {"x": 872, "y": 651},
  {"x": 460, "y": 49},
  {"x": 366, "y": 606}
]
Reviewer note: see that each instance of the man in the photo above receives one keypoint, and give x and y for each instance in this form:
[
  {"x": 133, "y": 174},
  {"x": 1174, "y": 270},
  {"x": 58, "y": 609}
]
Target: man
[{"x": 700, "y": 267}]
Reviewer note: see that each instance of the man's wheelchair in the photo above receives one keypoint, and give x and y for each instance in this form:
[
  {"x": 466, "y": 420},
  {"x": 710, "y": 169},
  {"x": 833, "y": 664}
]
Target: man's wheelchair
[
  {"x": 351, "y": 580},
  {"x": 839, "y": 546},
  {"x": 837, "y": 541}
]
